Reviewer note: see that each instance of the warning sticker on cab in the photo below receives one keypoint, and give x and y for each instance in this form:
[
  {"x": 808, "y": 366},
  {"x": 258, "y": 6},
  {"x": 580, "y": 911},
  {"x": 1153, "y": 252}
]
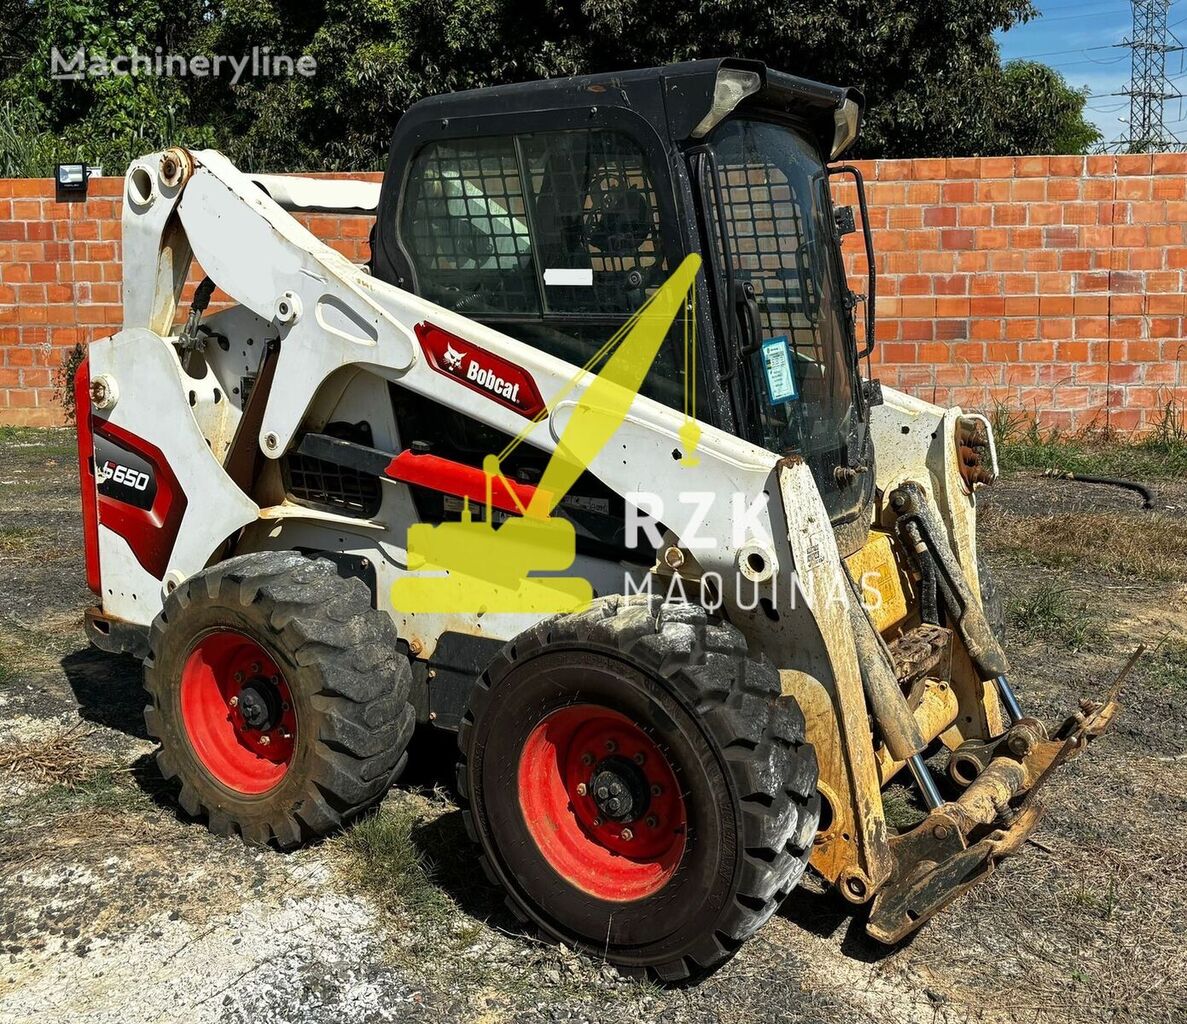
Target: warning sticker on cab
[{"x": 780, "y": 374}]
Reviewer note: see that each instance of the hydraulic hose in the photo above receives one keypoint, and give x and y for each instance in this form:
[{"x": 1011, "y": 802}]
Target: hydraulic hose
[{"x": 1129, "y": 485}]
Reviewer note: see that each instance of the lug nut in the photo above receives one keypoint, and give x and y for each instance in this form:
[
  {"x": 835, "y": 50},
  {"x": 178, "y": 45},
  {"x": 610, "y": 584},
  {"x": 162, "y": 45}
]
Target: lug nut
[
  {"x": 234, "y": 702},
  {"x": 265, "y": 740},
  {"x": 285, "y": 734},
  {"x": 274, "y": 680},
  {"x": 640, "y": 757},
  {"x": 597, "y": 822},
  {"x": 581, "y": 789},
  {"x": 652, "y": 821},
  {"x": 255, "y": 667},
  {"x": 626, "y": 835},
  {"x": 587, "y": 759},
  {"x": 238, "y": 677},
  {"x": 656, "y": 789},
  {"x": 611, "y": 746}
]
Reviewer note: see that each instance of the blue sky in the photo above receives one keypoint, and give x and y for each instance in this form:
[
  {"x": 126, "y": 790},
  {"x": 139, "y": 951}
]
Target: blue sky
[{"x": 1077, "y": 37}]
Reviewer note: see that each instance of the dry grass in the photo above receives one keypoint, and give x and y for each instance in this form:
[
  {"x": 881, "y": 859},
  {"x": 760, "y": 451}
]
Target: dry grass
[
  {"x": 1159, "y": 454},
  {"x": 1150, "y": 546},
  {"x": 58, "y": 760},
  {"x": 1094, "y": 930},
  {"x": 18, "y": 540}
]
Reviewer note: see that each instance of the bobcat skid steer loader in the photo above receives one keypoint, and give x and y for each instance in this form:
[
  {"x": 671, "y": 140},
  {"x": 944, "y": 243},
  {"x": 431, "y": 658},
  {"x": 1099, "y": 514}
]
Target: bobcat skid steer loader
[{"x": 583, "y": 466}]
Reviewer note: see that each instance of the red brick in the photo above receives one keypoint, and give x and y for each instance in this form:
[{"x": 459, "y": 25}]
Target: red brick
[
  {"x": 1134, "y": 164},
  {"x": 1029, "y": 190},
  {"x": 997, "y": 167},
  {"x": 1156, "y": 304},
  {"x": 964, "y": 167},
  {"x": 1169, "y": 163},
  {"x": 1038, "y": 351},
  {"x": 1063, "y": 189},
  {"x": 930, "y": 169},
  {"x": 958, "y": 191},
  {"x": 1055, "y": 305},
  {"x": 989, "y": 191},
  {"x": 957, "y": 238},
  {"x": 1022, "y": 305},
  {"x": 1066, "y": 166},
  {"x": 1007, "y": 214},
  {"x": 939, "y": 217},
  {"x": 988, "y": 330}
]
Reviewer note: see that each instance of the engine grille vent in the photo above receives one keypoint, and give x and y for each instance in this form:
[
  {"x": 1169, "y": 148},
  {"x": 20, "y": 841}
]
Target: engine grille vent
[{"x": 329, "y": 486}]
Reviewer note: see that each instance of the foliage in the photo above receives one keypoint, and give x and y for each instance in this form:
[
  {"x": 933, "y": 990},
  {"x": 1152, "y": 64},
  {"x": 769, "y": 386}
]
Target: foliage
[
  {"x": 931, "y": 72},
  {"x": 64, "y": 380},
  {"x": 96, "y": 120},
  {"x": 1040, "y": 113},
  {"x": 1158, "y": 454}
]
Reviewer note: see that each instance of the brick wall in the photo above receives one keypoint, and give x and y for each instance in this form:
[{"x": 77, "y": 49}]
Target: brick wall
[
  {"x": 1047, "y": 284},
  {"x": 60, "y": 283}
]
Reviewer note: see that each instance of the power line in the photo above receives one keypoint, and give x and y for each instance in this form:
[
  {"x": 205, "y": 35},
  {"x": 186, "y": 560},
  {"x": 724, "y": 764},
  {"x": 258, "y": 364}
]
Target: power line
[
  {"x": 1076, "y": 17},
  {"x": 1056, "y": 53},
  {"x": 1149, "y": 86}
]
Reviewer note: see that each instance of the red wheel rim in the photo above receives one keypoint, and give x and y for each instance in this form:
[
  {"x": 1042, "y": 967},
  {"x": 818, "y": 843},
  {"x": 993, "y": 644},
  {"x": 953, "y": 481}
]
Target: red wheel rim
[
  {"x": 591, "y": 843},
  {"x": 226, "y": 680}
]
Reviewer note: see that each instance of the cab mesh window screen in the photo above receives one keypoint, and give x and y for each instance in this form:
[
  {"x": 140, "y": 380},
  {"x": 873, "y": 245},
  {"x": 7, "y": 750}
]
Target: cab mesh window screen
[
  {"x": 596, "y": 221},
  {"x": 464, "y": 222},
  {"x": 553, "y": 237},
  {"x": 779, "y": 226},
  {"x": 769, "y": 245}
]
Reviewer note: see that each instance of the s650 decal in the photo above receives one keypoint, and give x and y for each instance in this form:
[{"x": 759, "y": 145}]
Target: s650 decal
[{"x": 124, "y": 475}]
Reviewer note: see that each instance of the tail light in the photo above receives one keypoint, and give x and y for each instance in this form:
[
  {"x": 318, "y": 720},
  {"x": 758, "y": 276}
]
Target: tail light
[{"x": 86, "y": 473}]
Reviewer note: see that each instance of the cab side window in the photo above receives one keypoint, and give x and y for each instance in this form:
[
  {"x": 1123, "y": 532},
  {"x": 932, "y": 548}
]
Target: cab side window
[
  {"x": 554, "y": 237},
  {"x": 465, "y": 227},
  {"x": 596, "y": 221}
]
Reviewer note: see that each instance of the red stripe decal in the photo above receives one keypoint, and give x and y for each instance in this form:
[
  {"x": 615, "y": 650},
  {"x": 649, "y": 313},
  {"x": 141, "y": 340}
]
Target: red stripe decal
[
  {"x": 86, "y": 473},
  {"x": 150, "y": 532}
]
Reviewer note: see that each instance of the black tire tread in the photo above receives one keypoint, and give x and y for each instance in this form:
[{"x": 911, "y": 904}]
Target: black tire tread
[
  {"x": 739, "y": 700},
  {"x": 329, "y": 628}
]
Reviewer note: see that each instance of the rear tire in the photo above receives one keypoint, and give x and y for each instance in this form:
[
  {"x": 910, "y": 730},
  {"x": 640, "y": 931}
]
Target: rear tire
[
  {"x": 723, "y": 811},
  {"x": 278, "y": 696}
]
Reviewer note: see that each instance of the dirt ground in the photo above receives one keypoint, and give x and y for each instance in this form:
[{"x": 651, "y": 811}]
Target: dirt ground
[{"x": 114, "y": 908}]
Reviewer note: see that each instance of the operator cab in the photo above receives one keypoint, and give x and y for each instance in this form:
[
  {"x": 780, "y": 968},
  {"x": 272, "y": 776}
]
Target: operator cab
[{"x": 552, "y": 210}]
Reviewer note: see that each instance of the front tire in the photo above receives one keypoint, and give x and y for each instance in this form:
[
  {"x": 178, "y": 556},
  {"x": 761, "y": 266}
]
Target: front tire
[
  {"x": 278, "y": 696},
  {"x": 638, "y": 785}
]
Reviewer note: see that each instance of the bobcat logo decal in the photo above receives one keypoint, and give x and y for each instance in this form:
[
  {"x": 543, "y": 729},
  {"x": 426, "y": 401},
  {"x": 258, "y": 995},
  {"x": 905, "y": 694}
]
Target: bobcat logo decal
[{"x": 453, "y": 358}]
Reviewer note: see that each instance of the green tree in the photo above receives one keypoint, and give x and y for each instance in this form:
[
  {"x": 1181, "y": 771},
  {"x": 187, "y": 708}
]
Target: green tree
[
  {"x": 931, "y": 72},
  {"x": 1040, "y": 113},
  {"x": 105, "y": 120}
]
